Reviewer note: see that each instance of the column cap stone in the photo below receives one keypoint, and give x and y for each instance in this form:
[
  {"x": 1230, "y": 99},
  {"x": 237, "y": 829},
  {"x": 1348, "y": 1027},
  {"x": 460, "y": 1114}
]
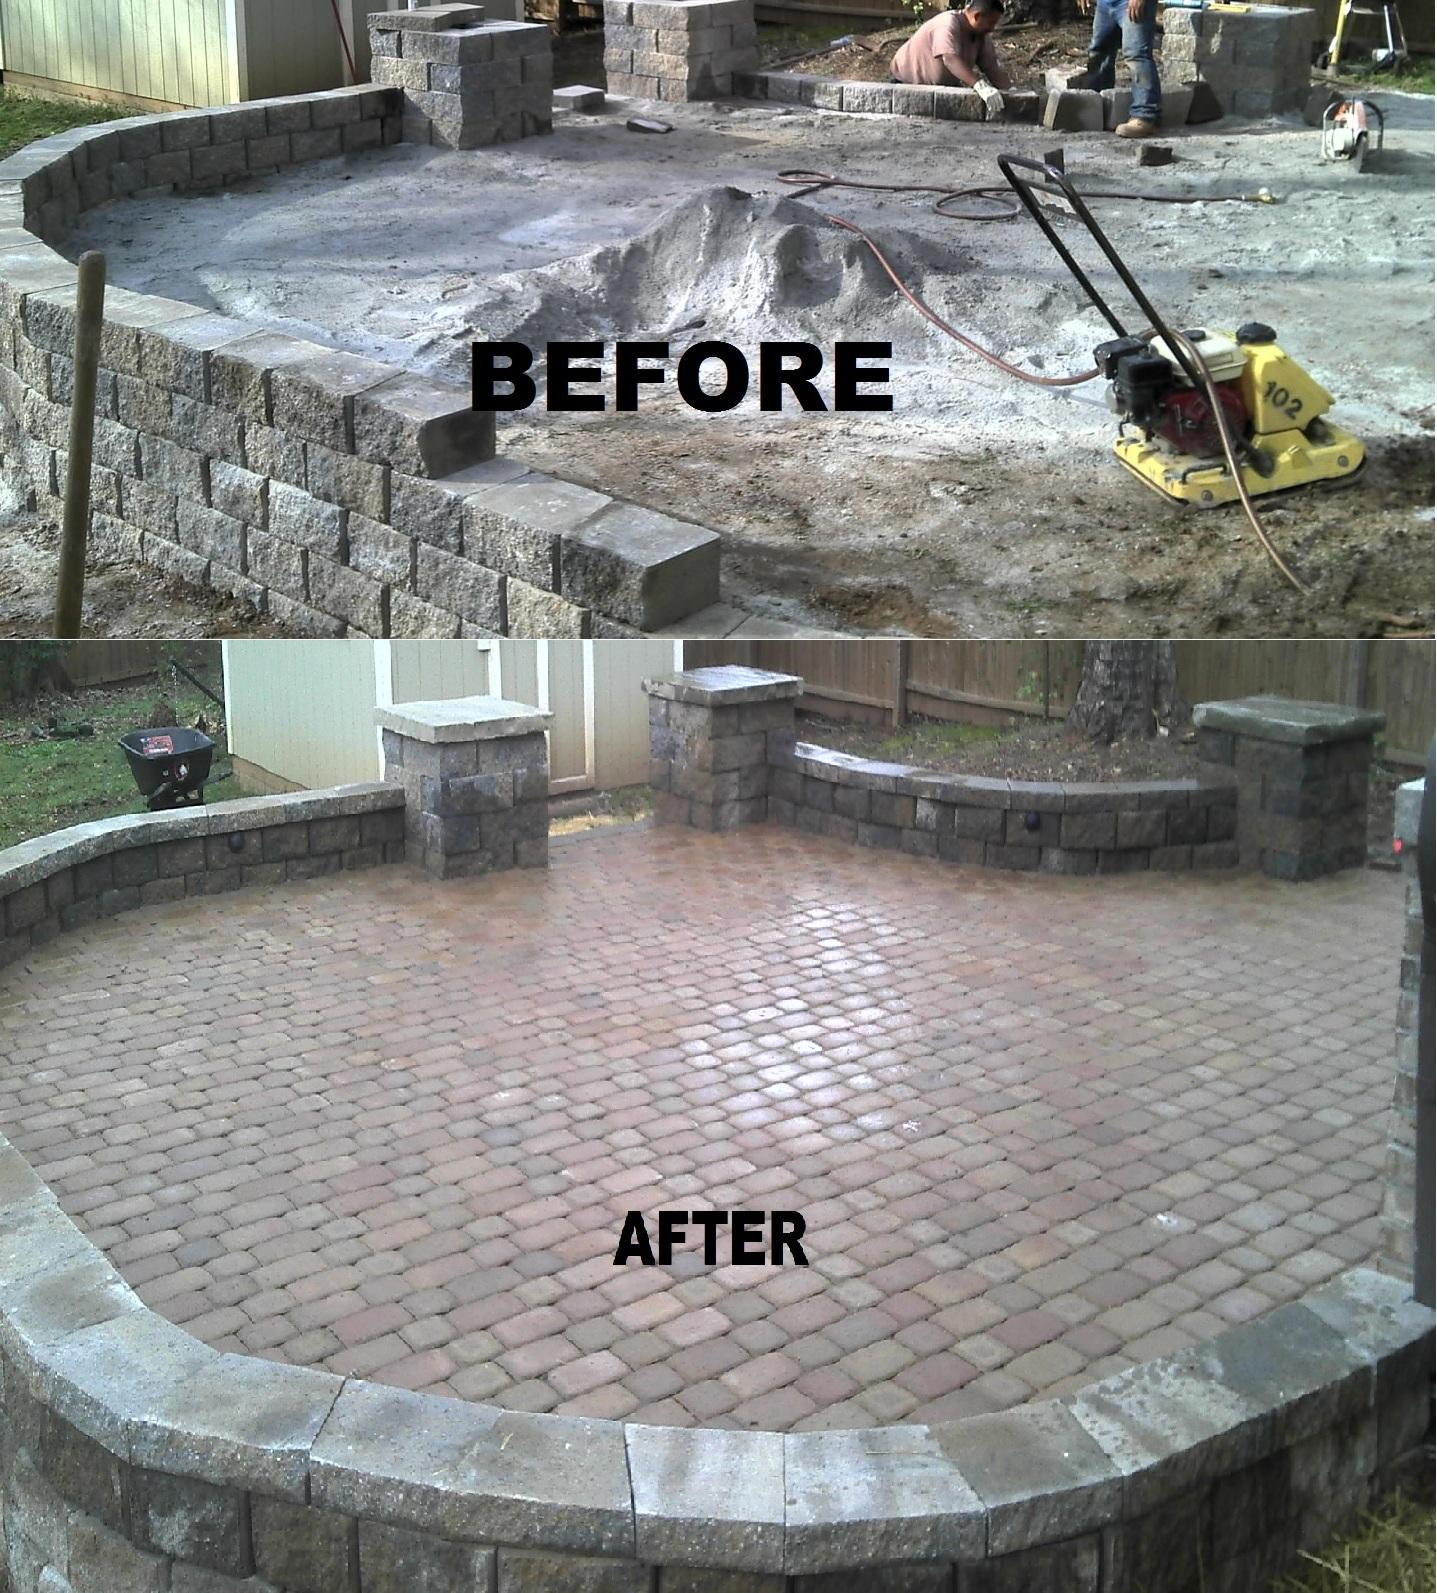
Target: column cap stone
[
  {"x": 426, "y": 19},
  {"x": 725, "y": 684},
  {"x": 462, "y": 719},
  {"x": 1305, "y": 724},
  {"x": 1407, "y": 812}
]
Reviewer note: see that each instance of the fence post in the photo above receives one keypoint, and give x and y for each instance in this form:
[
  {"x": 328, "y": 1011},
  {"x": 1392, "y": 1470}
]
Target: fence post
[
  {"x": 901, "y": 654},
  {"x": 89, "y": 315}
]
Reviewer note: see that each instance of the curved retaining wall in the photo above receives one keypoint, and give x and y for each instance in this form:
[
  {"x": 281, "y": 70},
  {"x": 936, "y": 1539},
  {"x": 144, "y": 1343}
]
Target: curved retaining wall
[
  {"x": 134, "y": 1458},
  {"x": 73, "y": 877},
  {"x": 338, "y": 495},
  {"x": 1109, "y": 827}
]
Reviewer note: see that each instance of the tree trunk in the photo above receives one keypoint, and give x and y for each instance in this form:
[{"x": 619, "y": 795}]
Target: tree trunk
[{"x": 1127, "y": 689}]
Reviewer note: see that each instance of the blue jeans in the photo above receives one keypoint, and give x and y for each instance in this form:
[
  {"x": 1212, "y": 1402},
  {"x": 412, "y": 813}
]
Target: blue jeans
[{"x": 1112, "y": 27}]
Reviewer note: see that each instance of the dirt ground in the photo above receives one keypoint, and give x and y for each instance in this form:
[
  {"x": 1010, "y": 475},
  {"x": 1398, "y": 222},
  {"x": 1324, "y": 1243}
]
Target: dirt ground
[
  {"x": 1026, "y": 51},
  {"x": 1034, "y": 750},
  {"x": 120, "y": 600},
  {"x": 978, "y": 506}
]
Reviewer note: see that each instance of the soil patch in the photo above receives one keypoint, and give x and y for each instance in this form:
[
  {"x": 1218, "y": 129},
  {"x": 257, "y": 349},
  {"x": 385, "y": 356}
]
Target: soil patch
[
  {"x": 120, "y": 599},
  {"x": 1026, "y": 52}
]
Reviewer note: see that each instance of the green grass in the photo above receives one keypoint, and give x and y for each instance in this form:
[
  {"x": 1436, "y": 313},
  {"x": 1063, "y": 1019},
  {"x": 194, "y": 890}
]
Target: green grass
[
  {"x": 23, "y": 119},
  {"x": 48, "y": 785},
  {"x": 1416, "y": 77},
  {"x": 930, "y": 738},
  {"x": 1389, "y": 1551}
]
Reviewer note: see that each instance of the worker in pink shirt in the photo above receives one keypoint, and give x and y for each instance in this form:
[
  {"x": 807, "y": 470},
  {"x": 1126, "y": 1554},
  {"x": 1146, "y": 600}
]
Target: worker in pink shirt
[{"x": 954, "y": 50}]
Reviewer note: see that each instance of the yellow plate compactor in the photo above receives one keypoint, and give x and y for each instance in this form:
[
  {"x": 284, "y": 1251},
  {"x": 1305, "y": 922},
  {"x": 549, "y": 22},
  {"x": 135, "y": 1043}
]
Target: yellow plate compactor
[{"x": 1176, "y": 394}]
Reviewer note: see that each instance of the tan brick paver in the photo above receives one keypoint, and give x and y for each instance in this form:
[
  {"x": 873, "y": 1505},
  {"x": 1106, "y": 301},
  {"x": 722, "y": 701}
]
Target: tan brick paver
[{"x": 1037, "y": 1126}]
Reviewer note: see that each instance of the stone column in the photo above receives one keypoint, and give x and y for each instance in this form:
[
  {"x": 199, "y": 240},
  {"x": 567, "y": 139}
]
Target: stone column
[
  {"x": 678, "y": 49},
  {"x": 1257, "y": 61},
  {"x": 1399, "y": 1192},
  {"x": 466, "y": 82},
  {"x": 710, "y": 735},
  {"x": 475, "y": 772},
  {"x": 1302, "y": 770}
]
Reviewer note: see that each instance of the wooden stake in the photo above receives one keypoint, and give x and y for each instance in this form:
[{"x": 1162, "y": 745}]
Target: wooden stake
[{"x": 89, "y": 316}]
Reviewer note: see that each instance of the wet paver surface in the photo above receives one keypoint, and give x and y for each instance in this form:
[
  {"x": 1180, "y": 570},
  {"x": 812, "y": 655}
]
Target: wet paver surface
[{"x": 1038, "y": 1129}]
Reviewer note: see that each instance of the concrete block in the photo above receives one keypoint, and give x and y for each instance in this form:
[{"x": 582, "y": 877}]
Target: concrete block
[
  {"x": 241, "y": 372},
  {"x": 299, "y": 1546},
  {"x": 640, "y": 566},
  {"x": 239, "y": 493},
  {"x": 957, "y": 105},
  {"x": 1177, "y": 103},
  {"x": 313, "y": 396},
  {"x": 518, "y": 526},
  {"x": 461, "y": 586},
  {"x": 421, "y": 427},
  {"x": 1040, "y": 1475},
  {"x": 455, "y": 1469},
  {"x": 577, "y": 97},
  {"x": 532, "y": 612},
  {"x": 348, "y": 594},
  {"x": 872, "y": 98},
  {"x": 1116, "y": 105},
  {"x": 411, "y": 617},
  {"x": 307, "y": 521},
  {"x": 276, "y": 564},
  {"x": 1074, "y": 111},
  {"x": 352, "y": 483},
  {"x": 860, "y": 1498},
  {"x": 381, "y": 553},
  {"x": 393, "y": 1560},
  {"x": 211, "y": 534},
  {"x": 175, "y": 354},
  {"x": 426, "y": 19},
  {"x": 274, "y": 454}
]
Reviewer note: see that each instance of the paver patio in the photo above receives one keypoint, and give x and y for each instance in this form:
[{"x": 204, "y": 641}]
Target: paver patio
[{"x": 1039, "y": 1128}]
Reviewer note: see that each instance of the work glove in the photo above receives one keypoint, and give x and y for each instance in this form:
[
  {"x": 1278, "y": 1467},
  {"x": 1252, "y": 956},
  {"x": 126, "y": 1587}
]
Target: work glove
[{"x": 992, "y": 99}]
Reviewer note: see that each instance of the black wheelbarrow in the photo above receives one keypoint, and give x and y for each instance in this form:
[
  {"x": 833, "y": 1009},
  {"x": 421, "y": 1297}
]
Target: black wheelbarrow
[{"x": 171, "y": 765}]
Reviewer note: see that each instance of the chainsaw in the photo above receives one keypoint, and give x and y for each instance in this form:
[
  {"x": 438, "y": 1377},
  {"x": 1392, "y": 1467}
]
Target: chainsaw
[
  {"x": 1351, "y": 131},
  {"x": 1185, "y": 398}
]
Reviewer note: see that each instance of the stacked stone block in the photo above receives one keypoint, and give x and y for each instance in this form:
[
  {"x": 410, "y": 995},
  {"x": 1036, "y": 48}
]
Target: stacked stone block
[
  {"x": 1302, "y": 775},
  {"x": 896, "y": 99},
  {"x": 337, "y": 495},
  {"x": 92, "y": 871},
  {"x": 713, "y": 734},
  {"x": 678, "y": 49},
  {"x": 475, "y": 774},
  {"x": 467, "y": 83},
  {"x": 1256, "y": 60},
  {"x": 1400, "y": 1187},
  {"x": 1110, "y": 827}
]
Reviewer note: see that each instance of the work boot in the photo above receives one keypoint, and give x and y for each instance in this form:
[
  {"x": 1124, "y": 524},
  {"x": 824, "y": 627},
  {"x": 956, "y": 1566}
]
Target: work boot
[{"x": 1134, "y": 128}]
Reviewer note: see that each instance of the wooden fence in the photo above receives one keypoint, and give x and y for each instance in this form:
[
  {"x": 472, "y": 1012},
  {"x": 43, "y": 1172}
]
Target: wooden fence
[
  {"x": 101, "y": 663},
  {"x": 991, "y": 682}
]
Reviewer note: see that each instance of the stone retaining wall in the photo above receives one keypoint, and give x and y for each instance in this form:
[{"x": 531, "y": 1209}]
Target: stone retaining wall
[
  {"x": 75, "y": 876},
  {"x": 723, "y": 753},
  {"x": 336, "y": 494},
  {"x": 134, "y": 1458},
  {"x": 1112, "y": 827}
]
